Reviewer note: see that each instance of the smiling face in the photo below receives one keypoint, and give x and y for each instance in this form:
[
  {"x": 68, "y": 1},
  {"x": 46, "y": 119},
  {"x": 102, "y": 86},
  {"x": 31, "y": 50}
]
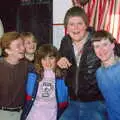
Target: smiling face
[
  {"x": 104, "y": 49},
  {"x": 30, "y": 45},
  {"x": 16, "y": 49},
  {"x": 49, "y": 62},
  {"x": 76, "y": 28}
]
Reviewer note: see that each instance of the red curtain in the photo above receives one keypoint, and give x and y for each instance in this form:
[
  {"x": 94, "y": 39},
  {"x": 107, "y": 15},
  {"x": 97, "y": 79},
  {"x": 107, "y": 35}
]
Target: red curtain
[{"x": 103, "y": 14}]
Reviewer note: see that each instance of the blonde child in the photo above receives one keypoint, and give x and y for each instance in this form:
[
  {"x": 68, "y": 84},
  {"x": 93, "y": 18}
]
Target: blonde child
[{"x": 30, "y": 44}]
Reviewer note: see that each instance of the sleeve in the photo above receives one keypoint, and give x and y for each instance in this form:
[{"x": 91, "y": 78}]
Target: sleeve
[
  {"x": 32, "y": 77},
  {"x": 62, "y": 93},
  {"x": 62, "y": 46},
  {"x": 117, "y": 49},
  {"x": 31, "y": 83},
  {"x": 65, "y": 45}
]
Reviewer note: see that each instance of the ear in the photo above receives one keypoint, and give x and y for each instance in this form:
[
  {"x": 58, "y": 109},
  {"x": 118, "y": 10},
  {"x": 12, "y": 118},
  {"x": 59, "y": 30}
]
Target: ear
[{"x": 8, "y": 51}]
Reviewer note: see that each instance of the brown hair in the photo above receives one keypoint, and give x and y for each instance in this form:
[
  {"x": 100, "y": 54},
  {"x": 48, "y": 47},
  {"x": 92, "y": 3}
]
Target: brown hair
[
  {"x": 75, "y": 11},
  {"x": 42, "y": 52},
  {"x": 102, "y": 34},
  {"x": 6, "y": 40}
]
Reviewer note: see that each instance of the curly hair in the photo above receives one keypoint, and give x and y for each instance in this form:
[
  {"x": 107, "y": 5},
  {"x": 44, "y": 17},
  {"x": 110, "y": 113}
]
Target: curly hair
[{"x": 42, "y": 52}]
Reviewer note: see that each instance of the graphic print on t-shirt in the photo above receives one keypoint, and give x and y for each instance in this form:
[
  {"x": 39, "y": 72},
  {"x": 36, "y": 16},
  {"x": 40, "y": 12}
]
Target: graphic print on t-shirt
[{"x": 46, "y": 89}]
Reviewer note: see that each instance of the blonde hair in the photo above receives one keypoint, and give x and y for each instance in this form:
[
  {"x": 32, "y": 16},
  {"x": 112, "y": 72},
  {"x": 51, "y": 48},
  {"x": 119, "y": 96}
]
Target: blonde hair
[{"x": 25, "y": 35}]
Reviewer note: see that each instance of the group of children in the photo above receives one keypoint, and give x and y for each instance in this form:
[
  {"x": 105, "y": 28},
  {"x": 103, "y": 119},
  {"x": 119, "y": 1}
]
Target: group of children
[
  {"x": 43, "y": 76},
  {"x": 32, "y": 85},
  {"x": 106, "y": 49},
  {"x": 29, "y": 75}
]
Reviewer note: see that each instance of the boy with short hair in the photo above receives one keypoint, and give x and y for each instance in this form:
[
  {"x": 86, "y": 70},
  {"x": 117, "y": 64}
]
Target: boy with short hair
[
  {"x": 108, "y": 51},
  {"x": 79, "y": 59}
]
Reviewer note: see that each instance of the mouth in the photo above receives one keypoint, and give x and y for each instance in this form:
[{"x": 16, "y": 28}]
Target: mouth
[
  {"x": 102, "y": 56},
  {"x": 32, "y": 48},
  {"x": 76, "y": 33},
  {"x": 21, "y": 53}
]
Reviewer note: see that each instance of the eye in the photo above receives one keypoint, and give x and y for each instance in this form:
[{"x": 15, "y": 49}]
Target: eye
[
  {"x": 43, "y": 58},
  {"x": 105, "y": 44},
  {"x": 71, "y": 24},
  {"x": 28, "y": 43},
  {"x": 96, "y": 46},
  {"x": 80, "y": 23}
]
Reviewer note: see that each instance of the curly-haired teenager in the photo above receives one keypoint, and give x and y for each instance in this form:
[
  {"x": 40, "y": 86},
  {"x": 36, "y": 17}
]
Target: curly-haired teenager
[{"x": 45, "y": 86}]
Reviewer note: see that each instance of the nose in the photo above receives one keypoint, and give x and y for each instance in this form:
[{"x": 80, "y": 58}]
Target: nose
[
  {"x": 47, "y": 62},
  {"x": 102, "y": 48},
  {"x": 75, "y": 26},
  {"x": 33, "y": 46}
]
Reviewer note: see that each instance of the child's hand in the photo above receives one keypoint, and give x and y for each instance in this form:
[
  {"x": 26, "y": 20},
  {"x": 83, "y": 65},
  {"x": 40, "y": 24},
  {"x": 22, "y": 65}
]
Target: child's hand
[{"x": 64, "y": 63}]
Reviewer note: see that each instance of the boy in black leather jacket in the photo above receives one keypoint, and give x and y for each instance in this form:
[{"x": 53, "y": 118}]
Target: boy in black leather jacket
[{"x": 79, "y": 59}]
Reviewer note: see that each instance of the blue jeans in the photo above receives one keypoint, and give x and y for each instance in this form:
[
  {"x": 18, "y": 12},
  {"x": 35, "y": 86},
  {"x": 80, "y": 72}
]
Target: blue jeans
[{"x": 78, "y": 110}]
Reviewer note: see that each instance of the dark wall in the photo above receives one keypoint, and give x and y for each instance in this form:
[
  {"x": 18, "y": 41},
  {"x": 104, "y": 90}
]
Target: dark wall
[
  {"x": 36, "y": 18},
  {"x": 8, "y": 13}
]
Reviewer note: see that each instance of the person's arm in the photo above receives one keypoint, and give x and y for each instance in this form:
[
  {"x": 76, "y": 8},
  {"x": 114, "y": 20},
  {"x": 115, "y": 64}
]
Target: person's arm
[{"x": 63, "y": 61}]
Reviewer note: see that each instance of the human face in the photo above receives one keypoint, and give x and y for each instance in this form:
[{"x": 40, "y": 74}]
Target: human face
[
  {"x": 30, "y": 45},
  {"x": 49, "y": 62},
  {"x": 16, "y": 49},
  {"x": 104, "y": 49},
  {"x": 76, "y": 28}
]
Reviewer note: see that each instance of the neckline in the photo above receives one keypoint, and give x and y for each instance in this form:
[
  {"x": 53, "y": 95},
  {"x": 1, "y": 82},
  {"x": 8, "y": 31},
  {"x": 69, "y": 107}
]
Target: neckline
[{"x": 116, "y": 60}]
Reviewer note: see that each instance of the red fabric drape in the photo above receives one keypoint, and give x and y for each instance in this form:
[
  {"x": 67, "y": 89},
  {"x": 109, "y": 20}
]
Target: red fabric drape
[{"x": 103, "y": 14}]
